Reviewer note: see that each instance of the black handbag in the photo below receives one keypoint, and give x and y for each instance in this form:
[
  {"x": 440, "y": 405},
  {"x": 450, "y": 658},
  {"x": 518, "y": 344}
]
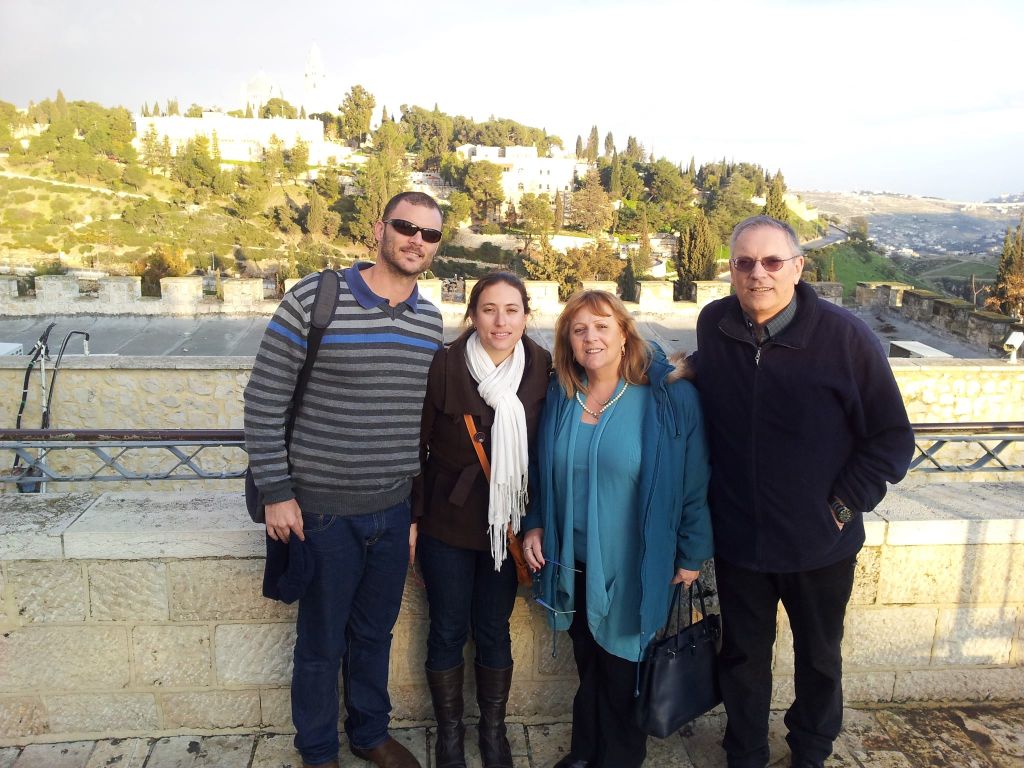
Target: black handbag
[
  {"x": 680, "y": 678},
  {"x": 320, "y": 317}
]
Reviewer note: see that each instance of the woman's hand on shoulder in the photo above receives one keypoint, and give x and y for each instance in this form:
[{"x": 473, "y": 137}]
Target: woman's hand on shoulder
[{"x": 533, "y": 543}]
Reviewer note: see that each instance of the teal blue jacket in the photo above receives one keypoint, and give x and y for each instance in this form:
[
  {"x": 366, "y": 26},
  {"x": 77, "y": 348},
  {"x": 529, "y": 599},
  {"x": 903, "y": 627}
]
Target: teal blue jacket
[{"x": 670, "y": 507}]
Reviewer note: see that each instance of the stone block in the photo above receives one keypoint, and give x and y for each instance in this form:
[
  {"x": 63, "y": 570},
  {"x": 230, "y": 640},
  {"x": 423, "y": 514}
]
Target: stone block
[
  {"x": 128, "y": 591},
  {"x": 999, "y": 684},
  {"x": 276, "y": 751},
  {"x": 201, "y": 751},
  {"x": 982, "y": 573},
  {"x": 31, "y": 525},
  {"x": 39, "y": 658},
  {"x": 414, "y": 600},
  {"x": 865, "y": 579},
  {"x": 254, "y": 654},
  {"x": 116, "y": 290},
  {"x": 172, "y": 656},
  {"x": 102, "y": 712},
  {"x": 242, "y": 293},
  {"x": 56, "y": 291},
  {"x": 276, "y": 709},
  {"x": 873, "y": 637},
  {"x": 542, "y": 699},
  {"x": 408, "y": 652},
  {"x": 119, "y": 753},
  {"x": 561, "y": 664},
  {"x": 204, "y": 710},
  {"x": 430, "y": 290},
  {"x": 48, "y": 591},
  {"x": 858, "y": 688},
  {"x": 136, "y": 525},
  {"x": 975, "y": 635},
  {"x": 22, "y": 716},
  {"x": 222, "y": 590},
  {"x": 70, "y": 754},
  {"x": 410, "y": 703}
]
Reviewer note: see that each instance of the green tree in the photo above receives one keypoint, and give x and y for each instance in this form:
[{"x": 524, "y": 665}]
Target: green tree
[
  {"x": 483, "y": 185},
  {"x": 273, "y": 158},
  {"x": 591, "y": 150},
  {"x": 579, "y": 147},
  {"x": 162, "y": 262},
  {"x": 591, "y": 209},
  {"x": 609, "y": 145},
  {"x": 536, "y": 217},
  {"x": 150, "y": 148},
  {"x": 1007, "y": 294},
  {"x": 695, "y": 252},
  {"x": 279, "y": 108},
  {"x": 775, "y": 205},
  {"x": 248, "y": 111},
  {"x": 642, "y": 263},
  {"x": 459, "y": 207},
  {"x": 381, "y": 177},
  {"x": 356, "y": 111},
  {"x": 194, "y": 111},
  {"x": 558, "y": 220},
  {"x": 615, "y": 177},
  {"x": 134, "y": 176},
  {"x": 297, "y": 159},
  {"x": 172, "y": 107}
]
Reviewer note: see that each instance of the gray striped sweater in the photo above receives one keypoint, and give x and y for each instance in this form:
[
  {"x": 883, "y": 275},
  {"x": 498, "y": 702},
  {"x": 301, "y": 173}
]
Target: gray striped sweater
[{"x": 355, "y": 444}]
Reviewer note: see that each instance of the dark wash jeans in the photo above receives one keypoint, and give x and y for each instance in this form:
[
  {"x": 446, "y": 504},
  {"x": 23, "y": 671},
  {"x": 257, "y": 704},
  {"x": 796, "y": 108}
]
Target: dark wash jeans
[
  {"x": 815, "y": 602},
  {"x": 345, "y": 619},
  {"x": 466, "y": 594}
]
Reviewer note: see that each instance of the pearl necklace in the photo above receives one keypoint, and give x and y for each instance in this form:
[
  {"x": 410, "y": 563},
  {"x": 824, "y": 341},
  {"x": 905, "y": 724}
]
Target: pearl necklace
[{"x": 606, "y": 406}]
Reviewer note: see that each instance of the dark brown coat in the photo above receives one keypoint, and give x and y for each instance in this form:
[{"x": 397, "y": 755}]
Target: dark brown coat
[{"x": 451, "y": 494}]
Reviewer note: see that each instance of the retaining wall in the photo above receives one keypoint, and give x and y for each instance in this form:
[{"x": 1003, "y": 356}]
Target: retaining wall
[{"x": 136, "y": 614}]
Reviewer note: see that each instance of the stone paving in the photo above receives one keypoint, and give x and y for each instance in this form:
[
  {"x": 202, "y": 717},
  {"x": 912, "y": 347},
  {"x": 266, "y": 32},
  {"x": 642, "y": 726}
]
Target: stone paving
[{"x": 979, "y": 736}]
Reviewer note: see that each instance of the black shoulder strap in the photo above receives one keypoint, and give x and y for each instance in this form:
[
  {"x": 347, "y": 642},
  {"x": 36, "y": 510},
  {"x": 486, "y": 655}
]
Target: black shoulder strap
[{"x": 319, "y": 318}]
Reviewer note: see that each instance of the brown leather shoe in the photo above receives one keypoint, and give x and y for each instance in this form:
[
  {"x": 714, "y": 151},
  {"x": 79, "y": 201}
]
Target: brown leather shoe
[{"x": 388, "y": 754}]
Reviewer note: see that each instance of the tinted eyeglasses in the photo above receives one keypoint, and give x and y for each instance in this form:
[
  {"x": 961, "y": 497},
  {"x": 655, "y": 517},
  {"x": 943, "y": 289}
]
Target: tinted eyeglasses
[
  {"x": 746, "y": 264},
  {"x": 407, "y": 228}
]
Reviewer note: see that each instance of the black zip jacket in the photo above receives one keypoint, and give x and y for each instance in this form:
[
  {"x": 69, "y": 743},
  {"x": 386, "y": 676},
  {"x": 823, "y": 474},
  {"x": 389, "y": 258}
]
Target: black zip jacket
[{"x": 811, "y": 413}]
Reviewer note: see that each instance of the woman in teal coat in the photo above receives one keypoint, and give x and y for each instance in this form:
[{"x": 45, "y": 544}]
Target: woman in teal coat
[{"x": 622, "y": 514}]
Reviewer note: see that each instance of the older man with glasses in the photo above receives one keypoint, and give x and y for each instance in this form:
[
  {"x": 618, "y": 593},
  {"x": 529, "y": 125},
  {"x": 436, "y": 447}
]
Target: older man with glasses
[{"x": 806, "y": 426}]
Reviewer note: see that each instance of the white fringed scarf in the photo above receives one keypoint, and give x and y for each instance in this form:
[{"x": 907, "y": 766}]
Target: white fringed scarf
[{"x": 510, "y": 456}]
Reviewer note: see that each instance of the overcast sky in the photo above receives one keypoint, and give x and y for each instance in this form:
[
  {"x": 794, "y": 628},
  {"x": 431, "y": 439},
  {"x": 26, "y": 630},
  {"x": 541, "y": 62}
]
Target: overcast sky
[{"x": 901, "y": 95}]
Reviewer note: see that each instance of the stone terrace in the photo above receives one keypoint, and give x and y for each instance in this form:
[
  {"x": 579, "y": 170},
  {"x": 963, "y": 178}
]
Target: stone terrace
[{"x": 979, "y": 736}]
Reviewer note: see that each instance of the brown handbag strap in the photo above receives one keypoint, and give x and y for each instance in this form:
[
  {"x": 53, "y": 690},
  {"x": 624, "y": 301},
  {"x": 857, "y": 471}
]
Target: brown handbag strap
[{"x": 485, "y": 465}]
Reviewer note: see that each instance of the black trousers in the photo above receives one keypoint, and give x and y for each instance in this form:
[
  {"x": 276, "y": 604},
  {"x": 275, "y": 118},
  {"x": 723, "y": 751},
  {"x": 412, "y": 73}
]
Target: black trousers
[
  {"x": 815, "y": 602},
  {"x": 604, "y": 732}
]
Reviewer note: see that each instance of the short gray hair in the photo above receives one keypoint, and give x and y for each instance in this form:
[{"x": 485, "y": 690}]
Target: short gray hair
[{"x": 756, "y": 222}]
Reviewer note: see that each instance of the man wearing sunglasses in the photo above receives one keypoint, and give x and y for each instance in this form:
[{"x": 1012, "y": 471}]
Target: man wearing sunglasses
[
  {"x": 339, "y": 491},
  {"x": 805, "y": 426}
]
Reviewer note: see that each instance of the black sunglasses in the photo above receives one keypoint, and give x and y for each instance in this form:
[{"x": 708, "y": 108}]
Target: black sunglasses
[
  {"x": 746, "y": 264},
  {"x": 407, "y": 228}
]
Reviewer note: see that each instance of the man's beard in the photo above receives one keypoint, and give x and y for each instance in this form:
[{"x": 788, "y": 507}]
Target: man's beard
[{"x": 390, "y": 257}]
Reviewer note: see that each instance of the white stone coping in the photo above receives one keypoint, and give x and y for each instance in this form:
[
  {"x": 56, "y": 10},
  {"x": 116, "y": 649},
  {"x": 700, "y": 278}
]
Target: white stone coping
[{"x": 140, "y": 524}]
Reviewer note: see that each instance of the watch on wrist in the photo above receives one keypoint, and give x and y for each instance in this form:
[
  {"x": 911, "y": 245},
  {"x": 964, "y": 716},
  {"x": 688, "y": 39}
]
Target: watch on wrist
[{"x": 842, "y": 512}]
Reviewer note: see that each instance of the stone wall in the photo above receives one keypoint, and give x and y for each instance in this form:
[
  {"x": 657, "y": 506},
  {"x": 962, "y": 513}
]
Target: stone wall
[
  {"x": 955, "y": 316},
  {"x": 135, "y": 614}
]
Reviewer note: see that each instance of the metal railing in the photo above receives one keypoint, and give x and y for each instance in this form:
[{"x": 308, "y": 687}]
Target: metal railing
[{"x": 118, "y": 455}]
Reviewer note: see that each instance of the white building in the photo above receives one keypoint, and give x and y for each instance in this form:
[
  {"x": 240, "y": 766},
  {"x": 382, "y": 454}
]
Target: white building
[
  {"x": 523, "y": 171},
  {"x": 241, "y": 139}
]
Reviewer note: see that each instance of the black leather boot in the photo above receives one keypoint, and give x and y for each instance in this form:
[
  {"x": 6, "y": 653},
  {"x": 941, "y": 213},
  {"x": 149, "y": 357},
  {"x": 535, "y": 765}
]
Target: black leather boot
[
  {"x": 446, "y": 696},
  {"x": 492, "y": 687}
]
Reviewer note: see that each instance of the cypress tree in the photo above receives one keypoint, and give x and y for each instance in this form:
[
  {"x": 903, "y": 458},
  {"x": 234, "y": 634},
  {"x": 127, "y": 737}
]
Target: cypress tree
[
  {"x": 579, "y": 146},
  {"x": 559, "y": 218},
  {"x": 615, "y": 182},
  {"x": 592, "y": 145}
]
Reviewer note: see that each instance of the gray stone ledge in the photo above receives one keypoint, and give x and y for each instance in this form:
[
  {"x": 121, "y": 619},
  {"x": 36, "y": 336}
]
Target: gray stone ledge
[{"x": 181, "y": 525}]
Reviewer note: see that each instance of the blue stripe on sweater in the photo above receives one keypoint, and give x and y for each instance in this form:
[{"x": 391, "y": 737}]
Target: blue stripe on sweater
[
  {"x": 379, "y": 338},
  {"x": 287, "y": 333},
  {"x": 356, "y": 338}
]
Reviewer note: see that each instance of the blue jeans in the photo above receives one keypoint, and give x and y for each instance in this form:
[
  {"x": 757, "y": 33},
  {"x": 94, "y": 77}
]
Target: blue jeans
[
  {"x": 466, "y": 593},
  {"x": 345, "y": 620}
]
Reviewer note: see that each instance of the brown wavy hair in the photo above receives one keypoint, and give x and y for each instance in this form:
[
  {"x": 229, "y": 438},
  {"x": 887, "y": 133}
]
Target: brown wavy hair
[{"x": 635, "y": 361}]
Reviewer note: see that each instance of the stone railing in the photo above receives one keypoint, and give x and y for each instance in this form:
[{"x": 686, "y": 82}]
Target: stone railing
[
  {"x": 954, "y": 316},
  {"x": 136, "y": 614}
]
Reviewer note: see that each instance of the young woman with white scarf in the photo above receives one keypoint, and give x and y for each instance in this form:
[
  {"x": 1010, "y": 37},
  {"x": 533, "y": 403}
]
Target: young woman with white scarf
[{"x": 497, "y": 375}]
